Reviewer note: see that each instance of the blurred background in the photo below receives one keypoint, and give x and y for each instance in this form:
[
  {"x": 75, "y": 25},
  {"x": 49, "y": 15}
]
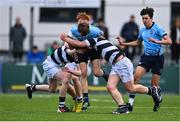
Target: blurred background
[{"x": 43, "y": 20}]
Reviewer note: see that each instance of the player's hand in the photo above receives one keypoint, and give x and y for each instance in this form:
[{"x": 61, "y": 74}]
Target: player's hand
[
  {"x": 178, "y": 42},
  {"x": 152, "y": 40},
  {"x": 120, "y": 40},
  {"x": 63, "y": 36},
  {"x": 65, "y": 69}
]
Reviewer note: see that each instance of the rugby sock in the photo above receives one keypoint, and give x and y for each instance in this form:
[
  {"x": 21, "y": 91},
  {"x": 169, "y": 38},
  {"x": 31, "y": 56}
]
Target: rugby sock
[
  {"x": 85, "y": 97},
  {"x": 105, "y": 75},
  {"x": 61, "y": 101},
  {"x": 79, "y": 98},
  {"x": 33, "y": 87},
  {"x": 149, "y": 90},
  {"x": 159, "y": 90},
  {"x": 131, "y": 98},
  {"x": 75, "y": 98}
]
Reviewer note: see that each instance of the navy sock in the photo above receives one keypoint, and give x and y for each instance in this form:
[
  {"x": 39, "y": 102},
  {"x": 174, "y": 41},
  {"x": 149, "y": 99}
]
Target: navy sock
[{"x": 85, "y": 97}]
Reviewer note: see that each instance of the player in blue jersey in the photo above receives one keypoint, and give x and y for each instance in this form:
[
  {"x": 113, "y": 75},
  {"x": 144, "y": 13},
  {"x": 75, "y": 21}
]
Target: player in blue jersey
[
  {"x": 153, "y": 37},
  {"x": 122, "y": 70},
  {"x": 85, "y": 54}
]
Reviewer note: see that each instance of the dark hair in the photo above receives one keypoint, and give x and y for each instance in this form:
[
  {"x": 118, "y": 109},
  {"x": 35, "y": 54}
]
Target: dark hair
[
  {"x": 83, "y": 28},
  {"x": 35, "y": 47},
  {"x": 148, "y": 11},
  {"x": 100, "y": 20}
]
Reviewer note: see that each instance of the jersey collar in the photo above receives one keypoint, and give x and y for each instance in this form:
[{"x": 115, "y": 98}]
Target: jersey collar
[{"x": 150, "y": 26}]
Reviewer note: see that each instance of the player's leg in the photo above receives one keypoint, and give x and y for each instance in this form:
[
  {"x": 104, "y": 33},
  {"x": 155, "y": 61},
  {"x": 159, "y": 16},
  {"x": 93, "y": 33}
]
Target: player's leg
[
  {"x": 155, "y": 82},
  {"x": 116, "y": 95},
  {"x": 78, "y": 87},
  {"x": 84, "y": 82},
  {"x": 83, "y": 60},
  {"x": 139, "y": 72},
  {"x": 78, "y": 101},
  {"x": 97, "y": 71},
  {"x": 64, "y": 77},
  {"x": 157, "y": 69},
  {"x": 137, "y": 88},
  {"x": 125, "y": 71},
  {"x": 42, "y": 87},
  {"x": 71, "y": 91},
  {"x": 96, "y": 65},
  {"x": 143, "y": 67}
]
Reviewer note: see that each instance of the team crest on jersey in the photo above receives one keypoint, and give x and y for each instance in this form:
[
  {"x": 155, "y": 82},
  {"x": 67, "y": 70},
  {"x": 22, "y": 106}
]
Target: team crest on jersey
[{"x": 152, "y": 31}]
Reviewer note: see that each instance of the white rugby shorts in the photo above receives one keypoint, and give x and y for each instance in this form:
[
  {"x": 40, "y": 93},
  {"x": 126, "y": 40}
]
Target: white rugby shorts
[
  {"x": 50, "y": 67},
  {"x": 71, "y": 66},
  {"x": 124, "y": 69}
]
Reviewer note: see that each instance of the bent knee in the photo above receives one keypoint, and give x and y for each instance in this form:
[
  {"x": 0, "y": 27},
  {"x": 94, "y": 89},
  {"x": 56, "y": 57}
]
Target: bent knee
[
  {"x": 110, "y": 87},
  {"x": 130, "y": 90},
  {"x": 97, "y": 73}
]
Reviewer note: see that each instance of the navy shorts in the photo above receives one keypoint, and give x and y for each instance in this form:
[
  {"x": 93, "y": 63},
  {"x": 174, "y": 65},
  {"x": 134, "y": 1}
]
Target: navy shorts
[
  {"x": 90, "y": 54},
  {"x": 153, "y": 63}
]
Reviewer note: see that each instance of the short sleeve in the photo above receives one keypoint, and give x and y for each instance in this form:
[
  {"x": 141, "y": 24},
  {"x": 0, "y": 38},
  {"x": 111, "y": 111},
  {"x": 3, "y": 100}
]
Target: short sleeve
[
  {"x": 161, "y": 31},
  {"x": 140, "y": 35}
]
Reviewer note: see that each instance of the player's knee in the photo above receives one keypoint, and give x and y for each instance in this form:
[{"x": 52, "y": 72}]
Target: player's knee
[
  {"x": 83, "y": 74},
  {"x": 75, "y": 80},
  {"x": 136, "y": 79},
  {"x": 110, "y": 88},
  {"x": 97, "y": 73},
  {"x": 130, "y": 89}
]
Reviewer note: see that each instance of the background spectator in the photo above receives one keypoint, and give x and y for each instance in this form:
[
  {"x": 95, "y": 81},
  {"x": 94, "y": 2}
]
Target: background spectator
[
  {"x": 101, "y": 25},
  {"x": 17, "y": 36},
  {"x": 35, "y": 56},
  {"x": 91, "y": 21},
  {"x": 175, "y": 36},
  {"x": 130, "y": 33},
  {"x": 52, "y": 47}
]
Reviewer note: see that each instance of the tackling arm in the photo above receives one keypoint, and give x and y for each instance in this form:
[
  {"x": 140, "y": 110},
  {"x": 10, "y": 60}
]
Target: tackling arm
[
  {"x": 72, "y": 42},
  {"x": 133, "y": 43}
]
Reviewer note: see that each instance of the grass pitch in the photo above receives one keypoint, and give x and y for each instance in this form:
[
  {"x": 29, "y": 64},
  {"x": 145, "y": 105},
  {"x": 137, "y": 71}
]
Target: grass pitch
[{"x": 43, "y": 107}]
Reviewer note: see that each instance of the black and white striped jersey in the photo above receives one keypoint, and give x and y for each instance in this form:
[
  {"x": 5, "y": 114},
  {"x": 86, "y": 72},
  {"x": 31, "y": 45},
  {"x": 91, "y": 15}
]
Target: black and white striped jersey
[
  {"x": 105, "y": 48},
  {"x": 60, "y": 56}
]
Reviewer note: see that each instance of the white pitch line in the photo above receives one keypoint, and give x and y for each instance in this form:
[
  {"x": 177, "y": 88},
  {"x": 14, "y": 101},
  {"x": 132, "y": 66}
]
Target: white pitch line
[{"x": 135, "y": 107}]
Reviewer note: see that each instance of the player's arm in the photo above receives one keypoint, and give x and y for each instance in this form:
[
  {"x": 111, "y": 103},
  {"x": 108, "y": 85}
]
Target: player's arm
[
  {"x": 72, "y": 42},
  {"x": 70, "y": 50},
  {"x": 132, "y": 44},
  {"x": 165, "y": 40},
  {"x": 76, "y": 72}
]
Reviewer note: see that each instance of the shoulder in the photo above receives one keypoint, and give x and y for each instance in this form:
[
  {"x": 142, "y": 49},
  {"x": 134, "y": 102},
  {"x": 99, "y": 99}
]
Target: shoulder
[
  {"x": 157, "y": 26},
  {"x": 142, "y": 29},
  {"x": 94, "y": 28},
  {"x": 74, "y": 28},
  {"x": 74, "y": 31}
]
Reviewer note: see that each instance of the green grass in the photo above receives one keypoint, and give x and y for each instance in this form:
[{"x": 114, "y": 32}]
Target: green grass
[{"x": 44, "y": 106}]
